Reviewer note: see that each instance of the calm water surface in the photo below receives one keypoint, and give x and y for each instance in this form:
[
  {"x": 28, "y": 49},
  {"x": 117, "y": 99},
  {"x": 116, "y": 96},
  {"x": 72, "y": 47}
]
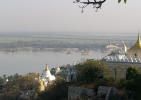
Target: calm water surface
[
  {"x": 16, "y": 55},
  {"x": 24, "y": 62}
]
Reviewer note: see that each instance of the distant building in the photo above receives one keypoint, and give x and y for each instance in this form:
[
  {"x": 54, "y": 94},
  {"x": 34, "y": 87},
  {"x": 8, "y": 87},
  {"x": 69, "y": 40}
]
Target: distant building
[
  {"x": 119, "y": 61},
  {"x": 132, "y": 55},
  {"x": 71, "y": 73},
  {"x": 57, "y": 71},
  {"x": 67, "y": 72},
  {"x": 45, "y": 78}
]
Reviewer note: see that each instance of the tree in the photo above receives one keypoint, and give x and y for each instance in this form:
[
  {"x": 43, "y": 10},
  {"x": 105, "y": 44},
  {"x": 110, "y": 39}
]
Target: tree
[
  {"x": 95, "y": 3},
  {"x": 133, "y": 83},
  {"x": 1, "y": 81},
  {"x": 90, "y": 71},
  {"x": 56, "y": 91},
  {"x": 18, "y": 84},
  {"x": 131, "y": 73}
]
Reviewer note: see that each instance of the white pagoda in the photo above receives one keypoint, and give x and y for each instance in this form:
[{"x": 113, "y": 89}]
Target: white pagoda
[{"x": 45, "y": 78}]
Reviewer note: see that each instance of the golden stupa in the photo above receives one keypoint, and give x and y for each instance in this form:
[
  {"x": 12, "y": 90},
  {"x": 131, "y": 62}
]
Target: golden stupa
[
  {"x": 42, "y": 86},
  {"x": 135, "y": 50}
]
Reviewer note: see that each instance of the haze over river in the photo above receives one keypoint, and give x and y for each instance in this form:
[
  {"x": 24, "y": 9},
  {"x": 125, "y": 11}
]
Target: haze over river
[{"x": 29, "y": 53}]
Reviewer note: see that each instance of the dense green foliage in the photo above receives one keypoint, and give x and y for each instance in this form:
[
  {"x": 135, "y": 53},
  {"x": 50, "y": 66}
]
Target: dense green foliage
[
  {"x": 90, "y": 70},
  {"x": 131, "y": 73},
  {"x": 56, "y": 91},
  {"x": 133, "y": 83},
  {"x": 18, "y": 84}
]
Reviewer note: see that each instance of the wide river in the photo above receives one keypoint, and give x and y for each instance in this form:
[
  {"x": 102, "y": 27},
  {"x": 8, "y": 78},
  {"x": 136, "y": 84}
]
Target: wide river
[
  {"x": 30, "y": 53},
  {"x": 24, "y": 62}
]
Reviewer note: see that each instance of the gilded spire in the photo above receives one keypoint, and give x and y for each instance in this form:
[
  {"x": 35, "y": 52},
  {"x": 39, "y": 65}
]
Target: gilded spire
[
  {"x": 135, "y": 51},
  {"x": 138, "y": 43}
]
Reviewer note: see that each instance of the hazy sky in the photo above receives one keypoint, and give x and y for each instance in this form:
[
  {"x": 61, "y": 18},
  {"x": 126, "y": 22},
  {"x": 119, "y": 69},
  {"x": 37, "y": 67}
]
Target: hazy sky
[{"x": 64, "y": 16}]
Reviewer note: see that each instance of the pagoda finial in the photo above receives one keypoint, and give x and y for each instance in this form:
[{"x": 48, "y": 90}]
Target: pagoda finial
[
  {"x": 46, "y": 68},
  {"x": 138, "y": 43},
  {"x": 138, "y": 36}
]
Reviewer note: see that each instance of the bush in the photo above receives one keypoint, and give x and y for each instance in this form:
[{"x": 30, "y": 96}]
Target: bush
[
  {"x": 133, "y": 83},
  {"x": 56, "y": 91},
  {"x": 90, "y": 71}
]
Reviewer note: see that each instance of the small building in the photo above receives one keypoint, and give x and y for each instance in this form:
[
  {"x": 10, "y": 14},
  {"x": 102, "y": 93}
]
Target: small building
[
  {"x": 45, "y": 78},
  {"x": 71, "y": 74}
]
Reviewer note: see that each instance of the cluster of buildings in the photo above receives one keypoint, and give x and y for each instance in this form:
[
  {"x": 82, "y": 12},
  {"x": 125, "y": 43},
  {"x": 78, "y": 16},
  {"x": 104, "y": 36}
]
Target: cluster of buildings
[
  {"x": 118, "y": 61},
  {"x": 68, "y": 73},
  {"x": 131, "y": 55},
  {"x": 45, "y": 78}
]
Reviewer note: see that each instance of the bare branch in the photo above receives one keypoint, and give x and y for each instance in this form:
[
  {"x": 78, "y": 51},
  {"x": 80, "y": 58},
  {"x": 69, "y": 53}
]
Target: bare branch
[
  {"x": 96, "y": 3},
  {"x": 82, "y": 7}
]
